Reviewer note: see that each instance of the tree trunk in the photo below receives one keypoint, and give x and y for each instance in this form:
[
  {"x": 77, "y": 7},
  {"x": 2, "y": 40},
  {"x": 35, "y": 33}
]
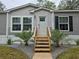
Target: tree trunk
[
  {"x": 57, "y": 44},
  {"x": 26, "y": 44}
]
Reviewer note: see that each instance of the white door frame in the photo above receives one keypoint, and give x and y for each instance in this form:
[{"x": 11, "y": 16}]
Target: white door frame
[
  {"x": 39, "y": 21},
  {"x": 42, "y": 25}
]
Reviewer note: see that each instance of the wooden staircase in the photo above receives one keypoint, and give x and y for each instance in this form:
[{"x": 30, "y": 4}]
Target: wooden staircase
[
  {"x": 42, "y": 43},
  {"x": 42, "y": 48}
]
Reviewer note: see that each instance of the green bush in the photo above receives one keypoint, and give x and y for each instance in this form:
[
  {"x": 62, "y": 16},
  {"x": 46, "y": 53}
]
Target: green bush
[
  {"x": 9, "y": 42},
  {"x": 57, "y": 36},
  {"x": 77, "y": 42},
  {"x": 25, "y": 36}
]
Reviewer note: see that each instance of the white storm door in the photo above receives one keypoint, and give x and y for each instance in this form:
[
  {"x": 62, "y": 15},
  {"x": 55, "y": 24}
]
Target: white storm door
[{"x": 42, "y": 25}]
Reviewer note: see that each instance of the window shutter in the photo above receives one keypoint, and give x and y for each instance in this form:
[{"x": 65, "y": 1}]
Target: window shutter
[
  {"x": 56, "y": 22},
  {"x": 70, "y": 23}
]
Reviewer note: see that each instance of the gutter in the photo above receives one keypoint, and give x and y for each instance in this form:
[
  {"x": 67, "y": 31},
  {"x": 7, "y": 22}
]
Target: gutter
[{"x": 7, "y": 25}]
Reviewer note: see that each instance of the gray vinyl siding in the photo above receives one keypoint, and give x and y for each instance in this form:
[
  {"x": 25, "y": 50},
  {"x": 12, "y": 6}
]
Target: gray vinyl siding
[
  {"x": 2, "y": 23},
  {"x": 75, "y": 21},
  {"x": 26, "y": 12},
  {"x": 20, "y": 12},
  {"x": 48, "y": 17}
]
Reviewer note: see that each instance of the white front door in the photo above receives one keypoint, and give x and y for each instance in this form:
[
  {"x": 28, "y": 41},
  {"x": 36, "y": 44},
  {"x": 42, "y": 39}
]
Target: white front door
[{"x": 42, "y": 25}]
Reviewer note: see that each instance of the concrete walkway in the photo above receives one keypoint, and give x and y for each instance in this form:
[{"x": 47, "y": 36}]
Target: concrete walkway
[
  {"x": 42, "y": 56},
  {"x": 28, "y": 50},
  {"x": 55, "y": 51}
]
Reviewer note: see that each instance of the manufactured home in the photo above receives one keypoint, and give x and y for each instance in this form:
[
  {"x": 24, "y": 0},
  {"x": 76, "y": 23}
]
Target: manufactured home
[{"x": 29, "y": 16}]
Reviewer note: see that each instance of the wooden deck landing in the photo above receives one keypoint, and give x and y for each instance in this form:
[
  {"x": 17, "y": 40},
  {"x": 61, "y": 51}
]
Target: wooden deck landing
[{"x": 42, "y": 56}]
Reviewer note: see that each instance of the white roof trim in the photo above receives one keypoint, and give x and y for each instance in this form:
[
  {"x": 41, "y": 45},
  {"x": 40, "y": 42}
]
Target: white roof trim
[
  {"x": 66, "y": 10},
  {"x": 37, "y": 8},
  {"x": 41, "y": 8},
  {"x": 3, "y": 12},
  {"x": 29, "y": 4}
]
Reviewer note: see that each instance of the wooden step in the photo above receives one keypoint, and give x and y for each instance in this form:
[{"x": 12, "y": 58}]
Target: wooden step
[
  {"x": 42, "y": 46},
  {"x": 42, "y": 43},
  {"x": 42, "y": 50},
  {"x": 43, "y": 40},
  {"x": 41, "y": 37}
]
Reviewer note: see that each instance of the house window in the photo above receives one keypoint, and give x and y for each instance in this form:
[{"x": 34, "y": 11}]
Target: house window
[
  {"x": 16, "y": 24},
  {"x": 20, "y": 24},
  {"x": 42, "y": 18},
  {"x": 27, "y": 23},
  {"x": 63, "y": 23}
]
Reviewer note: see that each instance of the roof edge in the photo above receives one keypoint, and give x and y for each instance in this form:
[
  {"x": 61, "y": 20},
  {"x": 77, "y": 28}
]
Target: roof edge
[
  {"x": 22, "y": 6},
  {"x": 3, "y": 12},
  {"x": 41, "y": 8},
  {"x": 66, "y": 10}
]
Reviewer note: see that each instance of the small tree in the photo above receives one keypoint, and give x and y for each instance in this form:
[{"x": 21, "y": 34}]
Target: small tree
[
  {"x": 77, "y": 42},
  {"x": 2, "y": 6},
  {"x": 9, "y": 42},
  {"x": 50, "y": 5},
  {"x": 47, "y": 4},
  {"x": 57, "y": 36},
  {"x": 67, "y": 5},
  {"x": 25, "y": 36}
]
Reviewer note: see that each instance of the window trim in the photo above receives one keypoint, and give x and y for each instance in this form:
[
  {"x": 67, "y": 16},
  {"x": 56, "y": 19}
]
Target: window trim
[
  {"x": 12, "y": 24},
  {"x": 23, "y": 24},
  {"x": 44, "y": 19},
  {"x": 63, "y": 23},
  {"x": 21, "y": 18}
]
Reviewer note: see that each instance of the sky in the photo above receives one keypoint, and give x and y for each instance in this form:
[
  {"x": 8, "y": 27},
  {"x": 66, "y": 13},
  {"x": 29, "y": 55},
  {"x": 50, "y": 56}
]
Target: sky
[{"x": 14, "y": 3}]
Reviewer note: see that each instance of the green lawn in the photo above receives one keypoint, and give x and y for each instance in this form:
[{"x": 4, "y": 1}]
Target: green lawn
[
  {"x": 11, "y": 53},
  {"x": 72, "y": 53}
]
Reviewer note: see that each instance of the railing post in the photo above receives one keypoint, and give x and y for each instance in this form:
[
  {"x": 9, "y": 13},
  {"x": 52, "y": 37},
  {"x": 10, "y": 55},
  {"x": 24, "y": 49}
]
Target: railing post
[
  {"x": 35, "y": 33},
  {"x": 49, "y": 36}
]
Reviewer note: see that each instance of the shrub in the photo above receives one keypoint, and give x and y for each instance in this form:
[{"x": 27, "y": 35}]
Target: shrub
[
  {"x": 9, "y": 42},
  {"x": 77, "y": 42},
  {"x": 56, "y": 36},
  {"x": 25, "y": 36}
]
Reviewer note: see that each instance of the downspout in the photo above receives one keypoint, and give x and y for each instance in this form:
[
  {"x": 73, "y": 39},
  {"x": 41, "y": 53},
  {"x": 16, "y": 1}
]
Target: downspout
[
  {"x": 53, "y": 20},
  {"x": 7, "y": 26}
]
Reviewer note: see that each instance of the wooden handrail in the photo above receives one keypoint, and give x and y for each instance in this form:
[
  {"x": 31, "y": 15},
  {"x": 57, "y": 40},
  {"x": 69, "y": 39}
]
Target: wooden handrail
[
  {"x": 49, "y": 32},
  {"x": 49, "y": 36},
  {"x": 35, "y": 32}
]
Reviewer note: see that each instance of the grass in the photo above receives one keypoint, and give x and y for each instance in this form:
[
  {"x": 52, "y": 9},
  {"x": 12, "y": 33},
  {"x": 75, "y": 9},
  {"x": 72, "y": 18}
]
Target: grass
[
  {"x": 11, "y": 53},
  {"x": 72, "y": 53}
]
